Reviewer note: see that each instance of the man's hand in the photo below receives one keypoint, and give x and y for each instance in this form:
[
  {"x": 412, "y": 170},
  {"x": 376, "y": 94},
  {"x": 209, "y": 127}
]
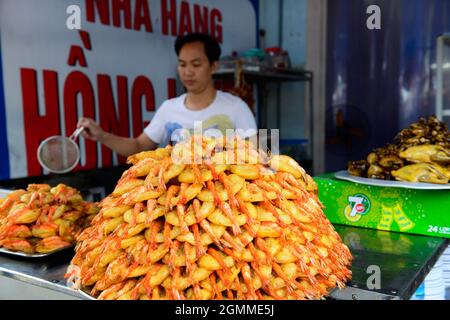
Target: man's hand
[
  {"x": 91, "y": 129},
  {"x": 122, "y": 145}
]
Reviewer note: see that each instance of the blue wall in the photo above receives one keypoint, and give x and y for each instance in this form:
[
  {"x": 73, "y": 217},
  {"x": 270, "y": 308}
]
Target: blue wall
[
  {"x": 4, "y": 155},
  {"x": 378, "y": 81},
  {"x": 255, "y": 4},
  {"x": 423, "y": 22}
]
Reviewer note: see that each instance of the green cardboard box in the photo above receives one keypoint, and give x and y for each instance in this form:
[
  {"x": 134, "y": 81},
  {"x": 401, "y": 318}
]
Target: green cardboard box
[{"x": 425, "y": 212}]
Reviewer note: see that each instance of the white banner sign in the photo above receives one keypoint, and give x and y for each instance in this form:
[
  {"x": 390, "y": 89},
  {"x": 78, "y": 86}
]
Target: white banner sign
[{"x": 118, "y": 68}]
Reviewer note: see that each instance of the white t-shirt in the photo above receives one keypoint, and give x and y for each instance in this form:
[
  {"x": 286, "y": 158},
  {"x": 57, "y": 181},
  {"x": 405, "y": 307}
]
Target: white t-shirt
[{"x": 226, "y": 112}]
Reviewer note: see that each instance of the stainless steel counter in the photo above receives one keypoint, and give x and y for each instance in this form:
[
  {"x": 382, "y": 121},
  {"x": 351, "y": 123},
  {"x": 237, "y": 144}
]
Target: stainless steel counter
[
  {"x": 43, "y": 272},
  {"x": 403, "y": 261}
]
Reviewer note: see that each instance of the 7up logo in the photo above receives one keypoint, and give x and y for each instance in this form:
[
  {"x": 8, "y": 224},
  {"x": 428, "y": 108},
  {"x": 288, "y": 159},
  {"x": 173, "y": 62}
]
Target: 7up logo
[{"x": 358, "y": 206}]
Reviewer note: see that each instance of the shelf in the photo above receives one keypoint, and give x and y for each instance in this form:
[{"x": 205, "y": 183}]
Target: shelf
[
  {"x": 274, "y": 75},
  {"x": 293, "y": 142},
  {"x": 261, "y": 77}
]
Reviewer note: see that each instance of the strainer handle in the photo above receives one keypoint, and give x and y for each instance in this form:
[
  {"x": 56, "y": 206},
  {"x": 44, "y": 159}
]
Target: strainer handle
[{"x": 76, "y": 133}]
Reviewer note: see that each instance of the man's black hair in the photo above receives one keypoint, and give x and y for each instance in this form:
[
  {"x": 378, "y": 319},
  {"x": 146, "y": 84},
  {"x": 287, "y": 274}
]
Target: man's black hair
[{"x": 212, "y": 47}]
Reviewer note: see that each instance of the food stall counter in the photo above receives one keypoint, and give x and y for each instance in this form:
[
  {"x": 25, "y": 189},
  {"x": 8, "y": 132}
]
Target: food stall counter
[{"x": 402, "y": 259}]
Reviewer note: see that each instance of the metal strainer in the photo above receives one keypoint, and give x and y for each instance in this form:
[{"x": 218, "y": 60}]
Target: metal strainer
[{"x": 59, "y": 154}]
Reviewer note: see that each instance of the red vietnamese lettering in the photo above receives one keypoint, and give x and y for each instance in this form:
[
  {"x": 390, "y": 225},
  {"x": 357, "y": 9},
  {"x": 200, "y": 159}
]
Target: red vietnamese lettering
[
  {"x": 37, "y": 127},
  {"x": 171, "y": 88},
  {"x": 169, "y": 16},
  {"x": 124, "y": 130},
  {"x": 200, "y": 19},
  {"x": 76, "y": 54},
  {"x": 85, "y": 39},
  {"x": 142, "y": 88},
  {"x": 171, "y": 93},
  {"x": 142, "y": 16},
  {"x": 109, "y": 121},
  {"x": 77, "y": 83},
  {"x": 216, "y": 25},
  {"x": 185, "y": 19},
  {"x": 102, "y": 9},
  {"x": 119, "y": 7}
]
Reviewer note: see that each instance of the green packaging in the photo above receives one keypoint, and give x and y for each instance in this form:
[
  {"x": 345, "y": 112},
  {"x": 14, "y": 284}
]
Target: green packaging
[{"x": 425, "y": 212}]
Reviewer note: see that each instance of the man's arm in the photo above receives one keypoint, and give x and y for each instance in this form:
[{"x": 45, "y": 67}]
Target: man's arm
[
  {"x": 121, "y": 145},
  {"x": 128, "y": 146}
]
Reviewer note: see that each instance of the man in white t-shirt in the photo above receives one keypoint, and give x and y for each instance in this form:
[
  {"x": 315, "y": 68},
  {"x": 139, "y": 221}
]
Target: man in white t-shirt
[{"x": 201, "y": 107}]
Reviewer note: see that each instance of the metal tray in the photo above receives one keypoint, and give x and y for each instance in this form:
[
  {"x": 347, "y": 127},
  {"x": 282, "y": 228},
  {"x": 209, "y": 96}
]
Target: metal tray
[
  {"x": 5, "y": 192},
  {"x": 32, "y": 255},
  {"x": 85, "y": 295},
  {"x": 344, "y": 175}
]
